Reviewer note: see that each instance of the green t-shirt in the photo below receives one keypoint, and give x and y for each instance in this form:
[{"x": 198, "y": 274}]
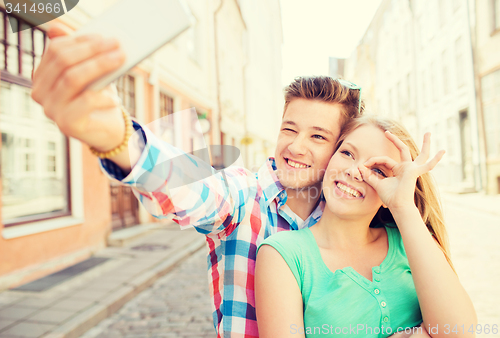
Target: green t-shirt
[{"x": 344, "y": 302}]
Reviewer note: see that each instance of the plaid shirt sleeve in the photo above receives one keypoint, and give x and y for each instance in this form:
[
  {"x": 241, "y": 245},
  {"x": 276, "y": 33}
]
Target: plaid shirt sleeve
[{"x": 167, "y": 180}]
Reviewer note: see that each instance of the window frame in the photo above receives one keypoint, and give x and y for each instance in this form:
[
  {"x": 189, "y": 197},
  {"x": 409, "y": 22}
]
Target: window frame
[
  {"x": 49, "y": 215},
  {"x": 5, "y": 74},
  {"x": 167, "y": 102},
  {"x": 20, "y": 80},
  {"x": 125, "y": 86},
  {"x": 495, "y": 21}
]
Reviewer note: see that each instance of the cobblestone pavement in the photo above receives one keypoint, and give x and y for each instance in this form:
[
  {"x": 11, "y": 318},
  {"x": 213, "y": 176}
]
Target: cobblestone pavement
[
  {"x": 177, "y": 305},
  {"x": 475, "y": 249}
]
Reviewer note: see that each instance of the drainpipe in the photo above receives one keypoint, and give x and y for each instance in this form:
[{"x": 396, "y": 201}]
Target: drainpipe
[
  {"x": 217, "y": 76},
  {"x": 482, "y": 176},
  {"x": 415, "y": 64}
]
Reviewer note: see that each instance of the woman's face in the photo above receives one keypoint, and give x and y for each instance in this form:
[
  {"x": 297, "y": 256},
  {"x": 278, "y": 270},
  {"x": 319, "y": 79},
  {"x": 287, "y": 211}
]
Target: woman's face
[{"x": 346, "y": 194}]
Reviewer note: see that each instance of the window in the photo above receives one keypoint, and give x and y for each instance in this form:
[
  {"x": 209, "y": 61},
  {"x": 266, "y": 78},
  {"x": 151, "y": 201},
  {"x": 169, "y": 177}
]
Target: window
[
  {"x": 491, "y": 107},
  {"x": 51, "y": 157},
  {"x": 459, "y": 62},
  {"x": 389, "y": 104},
  {"x": 409, "y": 97},
  {"x": 126, "y": 91},
  {"x": 444, "y": 62},
  {"x": 19, "y": 52},
  {"x": 167, "y": 118},
  {"x": 442, "y": 11},
  {"x": 32, "y": 189},
  {"x": 450, "y": 136},
  {"x": 427, "y": 87},
  {"x": 434, "y": 82},
  {"x": 193, "y": 36},
  {"x": 400, "y": 104},
  {"x": 496, "y": 14}
]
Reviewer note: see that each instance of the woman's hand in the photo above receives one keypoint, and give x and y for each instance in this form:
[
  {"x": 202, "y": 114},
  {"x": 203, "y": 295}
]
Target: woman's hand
[{"x": 397, "y": 191}]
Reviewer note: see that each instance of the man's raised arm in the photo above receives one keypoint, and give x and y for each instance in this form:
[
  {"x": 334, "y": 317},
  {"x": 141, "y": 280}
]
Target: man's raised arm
[
  {"x": 67, "y": 67},
  {"x": 161, "y": 175}
]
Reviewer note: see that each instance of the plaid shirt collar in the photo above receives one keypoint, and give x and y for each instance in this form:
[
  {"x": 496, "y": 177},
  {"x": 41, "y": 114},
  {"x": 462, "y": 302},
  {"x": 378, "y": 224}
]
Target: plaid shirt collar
[{"x": 271, "y": 186}]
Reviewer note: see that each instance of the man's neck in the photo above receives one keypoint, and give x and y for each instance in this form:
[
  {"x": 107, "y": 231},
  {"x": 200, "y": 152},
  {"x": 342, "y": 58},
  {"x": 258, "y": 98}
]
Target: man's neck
[{"x": 303, "y": 202}]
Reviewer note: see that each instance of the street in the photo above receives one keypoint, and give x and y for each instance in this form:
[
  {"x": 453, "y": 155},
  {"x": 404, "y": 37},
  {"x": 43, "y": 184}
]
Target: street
[
  {"x": 475, "y": 248},
  {"x": 178, "y": 305}
]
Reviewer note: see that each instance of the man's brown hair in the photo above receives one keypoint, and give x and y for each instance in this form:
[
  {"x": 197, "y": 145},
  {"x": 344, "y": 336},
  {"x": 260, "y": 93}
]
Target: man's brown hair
[{"x": 326, "y": 89}]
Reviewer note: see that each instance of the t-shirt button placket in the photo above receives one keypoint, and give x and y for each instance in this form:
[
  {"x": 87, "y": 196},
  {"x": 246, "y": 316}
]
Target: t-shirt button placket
[{"x": 377, "y": 291}]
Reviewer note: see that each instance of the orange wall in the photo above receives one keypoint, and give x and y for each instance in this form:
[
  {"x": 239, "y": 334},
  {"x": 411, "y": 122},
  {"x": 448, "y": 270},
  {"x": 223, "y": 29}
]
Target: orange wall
[{"x": 22, "y": 252}]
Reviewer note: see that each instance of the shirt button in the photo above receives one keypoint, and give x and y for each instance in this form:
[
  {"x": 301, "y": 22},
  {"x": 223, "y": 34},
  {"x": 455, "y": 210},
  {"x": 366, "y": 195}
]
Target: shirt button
[
  {"x": 377, "y": 291},
  {"x": 377, "y": 279},
  {"x": 383, "y": 304},
  {"x": 376, "y": 270},
  {"x": 386, "y": 319}
]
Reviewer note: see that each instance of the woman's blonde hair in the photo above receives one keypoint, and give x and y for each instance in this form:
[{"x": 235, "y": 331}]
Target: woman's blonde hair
[{"x": 426, "y": 195}]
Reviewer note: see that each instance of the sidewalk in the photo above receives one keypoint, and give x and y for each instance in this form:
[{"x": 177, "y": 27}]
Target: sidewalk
[
  {"x": 489, "y": 204},
  {"x": 78, "y": 304}
]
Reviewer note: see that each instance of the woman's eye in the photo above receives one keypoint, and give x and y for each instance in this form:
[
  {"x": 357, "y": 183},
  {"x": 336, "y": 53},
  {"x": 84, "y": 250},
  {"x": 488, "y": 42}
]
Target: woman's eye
[
  {"x": 319, "y": 137},
  {"x": 345, "y": 152},
  {"x": 288, "y": 129},
  {"x": 380, "y": 172}
]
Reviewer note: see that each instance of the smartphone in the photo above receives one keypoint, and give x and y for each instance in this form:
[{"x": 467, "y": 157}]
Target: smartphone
[{"x": 142, "y": 27}]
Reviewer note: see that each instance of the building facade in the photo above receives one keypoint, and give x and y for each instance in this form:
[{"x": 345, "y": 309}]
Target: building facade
[
  {"x": 57, "y": 207},
  {"x": 415, "y": 64},
  {"x": 486, "y": 17}
]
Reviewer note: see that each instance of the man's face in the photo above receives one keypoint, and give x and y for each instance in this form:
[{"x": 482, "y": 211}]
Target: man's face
[{"x": 309, "y": 131}]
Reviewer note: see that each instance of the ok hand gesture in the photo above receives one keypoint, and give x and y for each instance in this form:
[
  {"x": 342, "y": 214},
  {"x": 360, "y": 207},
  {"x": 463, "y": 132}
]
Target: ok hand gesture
[{"x": 397, "y": 191}]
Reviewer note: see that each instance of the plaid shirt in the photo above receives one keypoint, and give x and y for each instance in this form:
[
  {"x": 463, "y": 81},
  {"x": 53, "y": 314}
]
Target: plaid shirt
[{"x": 235, "y": 213}]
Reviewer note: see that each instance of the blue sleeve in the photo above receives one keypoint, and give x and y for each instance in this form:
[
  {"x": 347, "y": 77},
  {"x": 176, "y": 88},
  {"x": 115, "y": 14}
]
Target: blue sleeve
[{"x": 166, "y": 180}]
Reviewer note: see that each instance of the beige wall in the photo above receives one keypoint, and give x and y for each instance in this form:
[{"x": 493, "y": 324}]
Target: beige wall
[
  {"x": 409, "y": 65},
  {"x": 488, "y": 61}
]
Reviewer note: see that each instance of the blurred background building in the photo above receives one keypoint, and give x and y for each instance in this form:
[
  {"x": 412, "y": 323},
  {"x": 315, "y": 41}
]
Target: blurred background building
[
  {"x": 57, "y": 208},
  {"x": 433, "y": 65}
]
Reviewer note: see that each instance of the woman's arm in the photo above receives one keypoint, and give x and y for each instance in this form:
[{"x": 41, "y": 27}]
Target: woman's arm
[
  {"x": 278, "y": 300},
  {"x": 444, "y": 303}
]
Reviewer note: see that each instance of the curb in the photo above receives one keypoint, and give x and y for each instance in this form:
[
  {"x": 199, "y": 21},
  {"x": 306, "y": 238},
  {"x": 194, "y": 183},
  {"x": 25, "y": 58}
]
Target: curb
[{"x": 111, "y": 303}]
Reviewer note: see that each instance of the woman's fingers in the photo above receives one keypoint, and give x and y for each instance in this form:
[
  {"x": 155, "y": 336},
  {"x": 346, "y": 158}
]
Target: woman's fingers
[
  {"x": 431, "y": 164},
  {"x": 384, "y": 161},
  {"x": 368, "y": 176},
  {"x": 426, "y": 148},
  {"x": 403, "y": 148}
]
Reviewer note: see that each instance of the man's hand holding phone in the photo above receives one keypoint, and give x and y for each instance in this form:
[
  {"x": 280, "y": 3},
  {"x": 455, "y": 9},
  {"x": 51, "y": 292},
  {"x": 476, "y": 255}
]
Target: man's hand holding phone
[
  {"x": 72, "y": 82},
  {"x": 70, "y": 64}
]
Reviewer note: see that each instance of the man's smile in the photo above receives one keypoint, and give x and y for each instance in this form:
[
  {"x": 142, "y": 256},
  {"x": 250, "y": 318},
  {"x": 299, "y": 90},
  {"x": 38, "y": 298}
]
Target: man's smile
[{"x": 296, "y": 164}]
